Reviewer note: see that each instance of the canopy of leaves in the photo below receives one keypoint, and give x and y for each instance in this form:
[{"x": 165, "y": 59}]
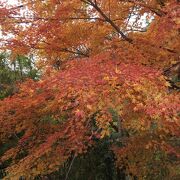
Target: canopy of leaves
[{"x": 102, "y": 80}]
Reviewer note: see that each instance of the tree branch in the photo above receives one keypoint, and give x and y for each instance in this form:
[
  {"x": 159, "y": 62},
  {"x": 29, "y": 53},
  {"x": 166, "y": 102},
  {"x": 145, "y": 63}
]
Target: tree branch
[
  {"x": 55, "y": 19},
  {"x": 70, "y": 166},
  {"x": 77, "y": 52},
  {"x": 156, "y": 11},
  {"x": 107, "y": 19}
]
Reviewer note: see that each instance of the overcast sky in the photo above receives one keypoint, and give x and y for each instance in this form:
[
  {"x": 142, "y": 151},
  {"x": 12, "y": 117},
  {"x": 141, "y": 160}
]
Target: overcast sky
[{"x": 12, "y": 2}]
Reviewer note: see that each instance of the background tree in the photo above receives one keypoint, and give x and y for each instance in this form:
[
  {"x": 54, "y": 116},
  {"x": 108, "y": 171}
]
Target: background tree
[{"x": 12, "y": 72}]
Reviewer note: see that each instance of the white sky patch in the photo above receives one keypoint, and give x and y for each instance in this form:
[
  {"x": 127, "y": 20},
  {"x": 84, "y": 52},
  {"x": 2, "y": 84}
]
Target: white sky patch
[{"x": 11, "y": 2}]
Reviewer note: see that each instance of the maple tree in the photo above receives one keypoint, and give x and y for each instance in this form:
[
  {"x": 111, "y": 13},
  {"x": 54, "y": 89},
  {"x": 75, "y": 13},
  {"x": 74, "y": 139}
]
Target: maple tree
[{"x": 105, "y": 77}]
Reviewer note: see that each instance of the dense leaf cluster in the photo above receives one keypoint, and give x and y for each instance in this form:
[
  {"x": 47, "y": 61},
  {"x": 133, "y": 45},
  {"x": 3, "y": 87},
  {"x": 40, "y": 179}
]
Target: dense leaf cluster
[{"x": 106, "y": 95}]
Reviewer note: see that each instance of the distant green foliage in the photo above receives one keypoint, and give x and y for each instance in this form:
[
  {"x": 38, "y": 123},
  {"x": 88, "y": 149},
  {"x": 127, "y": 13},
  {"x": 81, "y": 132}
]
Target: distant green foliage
[{"x": 14, "y": 71}]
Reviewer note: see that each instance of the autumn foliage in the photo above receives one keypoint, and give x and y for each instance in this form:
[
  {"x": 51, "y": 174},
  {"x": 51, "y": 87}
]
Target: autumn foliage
[{"x": 104, "y": 77}]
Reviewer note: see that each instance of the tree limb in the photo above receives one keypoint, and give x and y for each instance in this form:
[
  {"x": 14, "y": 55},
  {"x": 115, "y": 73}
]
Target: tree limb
[{"x": 107, "y": 19}]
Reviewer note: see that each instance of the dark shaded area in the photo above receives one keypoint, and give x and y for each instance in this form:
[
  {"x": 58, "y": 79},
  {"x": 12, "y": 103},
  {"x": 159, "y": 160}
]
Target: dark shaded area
[
  {"x": 97, "y": 164},
  {"x": 12, "y": 142}
]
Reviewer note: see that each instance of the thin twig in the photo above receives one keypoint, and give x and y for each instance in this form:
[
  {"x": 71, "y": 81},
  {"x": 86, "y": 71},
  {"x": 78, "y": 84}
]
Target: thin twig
[{"x": 70, "y": 167}]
